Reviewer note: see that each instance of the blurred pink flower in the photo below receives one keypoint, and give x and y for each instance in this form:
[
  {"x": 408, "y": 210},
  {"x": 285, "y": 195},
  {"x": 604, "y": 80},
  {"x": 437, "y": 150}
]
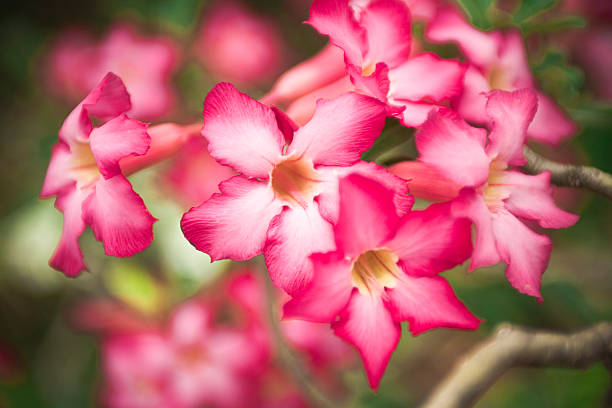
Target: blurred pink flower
[
  {"x": 77, "y": 63},
  {"x": 593, "y": 51},
  {"x": 237, "y": 45}
]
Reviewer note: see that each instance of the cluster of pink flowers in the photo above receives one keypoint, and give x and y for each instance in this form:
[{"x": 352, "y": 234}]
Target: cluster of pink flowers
[{"x": 339, "y": 235}]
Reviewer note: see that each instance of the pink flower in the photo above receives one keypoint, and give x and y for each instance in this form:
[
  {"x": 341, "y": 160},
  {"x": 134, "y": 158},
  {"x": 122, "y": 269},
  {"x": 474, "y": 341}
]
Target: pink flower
[
  {"x": 494, "y": 196},
  {"x": 77, "y": 63},
  {"x": 497, "y": 61},
  {"x": 237, "y": 45},
  {"x": 285, "y": 198},
  {"x": 383, "y": 272},
  {"x": 85, "y": 175},
  {"x": 376, "y": 39}
]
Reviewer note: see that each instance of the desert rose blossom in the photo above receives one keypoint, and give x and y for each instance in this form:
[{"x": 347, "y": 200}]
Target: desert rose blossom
[
  {"x": 385, "y": 271},
  {"x": 77, "y": 62},
  {"x": 376, "y": 40},
  {"x": 240, "y": 46},
  {"x": 285, "y": 198},
  {"x": 87, "y": 173},
  {"x": 486, "y": 188},
  {"x": 497, "y": 61}
]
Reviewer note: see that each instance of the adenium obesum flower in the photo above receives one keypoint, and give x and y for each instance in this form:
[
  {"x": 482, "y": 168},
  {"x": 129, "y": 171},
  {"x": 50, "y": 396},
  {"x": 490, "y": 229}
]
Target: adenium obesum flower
[
  {"x": 237, "y": 45},
  {"x": 376, "y": 39},
  {"x": 383, "y": 272},
  {"x": 285, "y": 198},
  {"x": 77, "y": 62},
  {"x": 497, "y": 61},
  {"x": 478, "y": 175},
  {"x": 87, "y": 174}
]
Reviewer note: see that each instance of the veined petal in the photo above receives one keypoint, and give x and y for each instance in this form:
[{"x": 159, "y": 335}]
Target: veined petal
[
  {"x": 294, "y": 234},
  {"x": 367, "y": 215},
  {"x": 67, "y": 256},
  {"x": 428, "y": 303},
  {"x": 327, "y": 294},
  {"x": 387, "y": 24},
  {"x": 426, "y": 76},
  {"x": 455, "y": 148},
  {"x": 425, "y": 181},
  {"x": 432, "y": 240},
  {"x": 531, "y": 198},
  {"x": 550, "y": 124},
  {"x": 335, "y": 19},
  {"x": 241, "y": 132},
  {"x": 470, "y": 104},
  {"x": 415, "y": 113},
  {"x": 233, "y": 224},
  {"x": 118, "y": 217},
  {"x": 340, "y": 130},
  {"x": 472, "y": 205},
  {"x": 285, "y": 124},
  {"x": 376, "y": 84},
  {"x": 525, "y": 252},
  {"x": 118, "y": 138},
  {"x": 57, "y": 177},
  {"x": 367, "y": 324},
  {"x": 510, "y": 113}
]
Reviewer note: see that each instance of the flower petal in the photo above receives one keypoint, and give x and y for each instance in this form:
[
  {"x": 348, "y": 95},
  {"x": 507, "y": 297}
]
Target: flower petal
[
  {"x": 118, "y": 217},
  {"x": 531, "y": 198},
  {"x": 241, "y": 132},
  {"x": 472, "y": 102},
  {"x": 376, "y": 84},
  {"x": 233, "y": 224},
  {"x": 415, "y": 113},
  {"x": 326, "y": 294},
  {"x": 67, "y": 256},
  {"x": 426, "y": 76},
  {"x": 428, "y": 303},
  {"x": 294, "y": 234},
  {"x": 425, "y": 181},
  {"x": 118, "y": 138},
  {"x": 550, "y": 124},
  {"x": 510, "y": 113},
  {"x": 368, "y": 325},
  {"x": 285, "y": 124},
  {"x": 432, "y": 240},
  {"x": 57, "y": 177},
  {"x": 340, "y": 130},
  {"x": 453, "y": 147},
  {"x": 525, "y": 252}
]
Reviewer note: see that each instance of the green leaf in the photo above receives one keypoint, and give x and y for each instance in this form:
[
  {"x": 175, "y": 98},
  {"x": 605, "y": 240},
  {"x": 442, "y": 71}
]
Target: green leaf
[
  {"x": 478, "y": 12},
  {"x": 530, "y": 8},
  {"x": 392, "y": 136}
]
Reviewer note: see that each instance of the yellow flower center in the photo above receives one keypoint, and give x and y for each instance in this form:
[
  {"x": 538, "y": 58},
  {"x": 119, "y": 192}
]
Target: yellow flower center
[
  {"x": 375, "y": 270},
  {"x": 295, "y": 181},
  {"x": 494, "y": 192},
  {"x": 498, "y": 79},
  {"x": 83, "y": 167}
]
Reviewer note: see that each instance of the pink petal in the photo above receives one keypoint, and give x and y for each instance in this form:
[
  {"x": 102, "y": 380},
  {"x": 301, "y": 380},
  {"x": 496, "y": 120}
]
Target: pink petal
[
  {"x": 426, "y": 76},
  {"x": 323, "y": 68},
  {"x": 428, "y": 303},
  {"x": 376, "y": 84},
  {"x": 368, "y": 325},
  {"x": 118, "y": 138},
  {"x": 510, "y": 113},
  {"x": 531, "y": 198},
  {"x": 425, "y": 181},
  {"x": 326, "y": 294},
  {"x": 525, "y": 252},
  {"x": 335, "y": 19},
  {"x": 454, "y": 148},
  {"x": 118, "y": 217},
  {"x": 367, "y": 215},
  {"x": 387, "y": 24},
  {"x": 472, "y": 205},
  {"x": 67, "y": 256},
  {"x": 241, "y": 132},
  {"x": 285, "y": 124},
  {"x": 189, "y": 324},
  {"x": 479, "y": 47},
  {"x": 471, "y": 103},
  {"x": 340, "y": 130},
  {"x": 513, "y": 62},
  {"x": 415, "y": 113},
  {"x": 57, "y": 177},
  {"x": 233, "y": 224},
  {"x": 432, "y": 240},
  {"x": 294, "y": 234},
  {"x": 550, "y": 124}
]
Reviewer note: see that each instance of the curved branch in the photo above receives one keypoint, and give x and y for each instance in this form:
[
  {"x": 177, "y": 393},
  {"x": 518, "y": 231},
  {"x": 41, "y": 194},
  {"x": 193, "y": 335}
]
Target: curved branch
[
  {"x": 517, "y": 347},
  {"x": 569, "y": 175}
]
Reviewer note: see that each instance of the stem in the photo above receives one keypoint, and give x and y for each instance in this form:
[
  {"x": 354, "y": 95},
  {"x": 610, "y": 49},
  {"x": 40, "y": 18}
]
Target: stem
[
  {"x": 518, "y": 347},
  {"x": 569, "y": 175}
]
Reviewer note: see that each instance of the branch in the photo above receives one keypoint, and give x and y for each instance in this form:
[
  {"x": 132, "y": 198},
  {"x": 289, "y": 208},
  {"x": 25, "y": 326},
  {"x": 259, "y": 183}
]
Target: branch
[
  {"x": 287, "y": 358},
  {"x": 569, "y": 175},
  {"x": 517, "y": 347}
]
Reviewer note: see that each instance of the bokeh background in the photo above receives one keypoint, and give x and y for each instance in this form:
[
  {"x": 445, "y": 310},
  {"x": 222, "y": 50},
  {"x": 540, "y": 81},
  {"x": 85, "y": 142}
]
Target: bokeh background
[{"x": 46, "y": 362}]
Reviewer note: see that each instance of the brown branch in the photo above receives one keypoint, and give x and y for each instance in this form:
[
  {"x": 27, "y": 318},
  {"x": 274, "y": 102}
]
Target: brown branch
[
  {"x": 517, "y": 347},
  {"x": 569, "y": 175},
  {"x": 286, "y": 356}
]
